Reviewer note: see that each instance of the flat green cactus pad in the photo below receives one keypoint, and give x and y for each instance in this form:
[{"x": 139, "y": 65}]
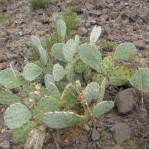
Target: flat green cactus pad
[
  {"x": 125, "y": 52},
  {"x": 59, "y": 120},
  {"x": 16, "y": 116},
  {"x": 107, "y": 65},
  {"x": 90, "y": 55},
  {"x": 95, "y": 34},
  {"x": 53, "y": 90},
  {"x": 44, "y": 105},
  {"x": 48, "y": 78},
  {"x": 140, "y": 80},
  {"x": 10, "y": 79},
  {"x": 58, "y": 72},
  {"x": 61, "y": 28},
  {"x": 57, "y": 51},
  {"x": 36, "y": 44},
  {"x": 8, "y": 98},
  {"x": 68, "y": 97},
  {"x": 70, "y": 49},
  {"x": 20, "y": 135},
  {"x": 119, "y": 76},
  {"x": 31, "y": 71},
  {"x": 102, "y": 107},
  {"x": 91, "y": 92}
]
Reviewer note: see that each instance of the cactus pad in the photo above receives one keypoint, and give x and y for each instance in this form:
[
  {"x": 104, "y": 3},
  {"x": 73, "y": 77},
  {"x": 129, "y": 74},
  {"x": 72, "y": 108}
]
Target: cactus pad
[
  {"x": 102, "y": 107},
  {"x": 59, "y": 120},
  {"x": 125, "y": 52},
  {"x": 119, "y": 76},
  {"x": 10, "y": 79},
  {"x": 8, "y": 98},
  {"x": 95, "y": 34},
  {"x": 69, "y": 96},
  {"x": 48, "y": 78},
  {"x": 44, "y": 105},
  {"x": 70, "y": 49},
  {"x": 31, "y": 71},
  {"x": 61, "y": 28},
  {"x": 57, "y": 51},
  {"x": 16, "y": 116},
  {"x": 58, "y": 72},
  {"x": 54, "y": 92},
  {"x": 90, "y": 55},
  {"x": 92, "y": 91},
  {"x": 19, "y": 135},
  {"x": 140, "y": 80}
]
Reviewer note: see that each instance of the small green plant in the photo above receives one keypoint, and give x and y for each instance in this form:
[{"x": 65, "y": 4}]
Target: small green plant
[
  {"x": 107, "y": 45},
  {"x": 63, "y": 88},
  {"x": 70, "y": 19},
  {"x": 39, "y": 3}
]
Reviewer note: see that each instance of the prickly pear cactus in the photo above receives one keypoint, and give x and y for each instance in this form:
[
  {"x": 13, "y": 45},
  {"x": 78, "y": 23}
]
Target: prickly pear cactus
[
  {"x": 44, "y": 105},
  {"x": 68, "y": 97},
  {"x": 16, "y": 116},
  {"x": 119, "y": 76},
  {"x": 20, "y": 135},
  {"x": 59, "y": 120},
  {"x": 102, "y": 107},
  {"x": 8, "y": 98},
  {"x": 10, "y": 78}
]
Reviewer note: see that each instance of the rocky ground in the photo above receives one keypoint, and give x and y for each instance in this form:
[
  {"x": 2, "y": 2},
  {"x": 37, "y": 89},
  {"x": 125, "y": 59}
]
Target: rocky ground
[{"x": 121, "y": 20}]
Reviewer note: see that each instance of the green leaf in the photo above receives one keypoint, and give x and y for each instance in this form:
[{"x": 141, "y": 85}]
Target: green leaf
[
  {"x": 48, "y": 78},
  {"x": 90, "y": 55},
  {"x": 61, "y": 28},
  {"x": 95, "y": 34},
  {"x": 58, "y": 72},
  {"x": 70, "y": 49},
  {"x": 20, "y": 135},
  {"x": 125, "y": 52},
  {"x": 59, "y": 120},
  {"x": 91, "y": 92},
  {"x": 44, "y": 105},
  {"x": 54, "y": 92},
  {"x": 10, "y": 79},
  {"x": 101, "y": 108},
  {"x": 140, "y": 79},
  {"x": 57, "y": 51},
  {"x": 31, "y": 71},
  {"x": 36, "y": 44},
  {"x": 119, "y": 76},
  {"x": 16, "y": 116},
  {"x": 8, "y": 98}
]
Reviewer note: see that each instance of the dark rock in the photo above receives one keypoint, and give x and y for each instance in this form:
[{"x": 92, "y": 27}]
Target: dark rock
[
  {"x": 139, "y": 44},
  {"x": 95, "y": 135},
  {"x": 126, "y": 100},
  {"x": 121, "y": 132}
]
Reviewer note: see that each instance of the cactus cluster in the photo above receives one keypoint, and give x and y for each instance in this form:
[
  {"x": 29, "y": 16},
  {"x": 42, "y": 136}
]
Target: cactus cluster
[{"x": 68, "y": 89}]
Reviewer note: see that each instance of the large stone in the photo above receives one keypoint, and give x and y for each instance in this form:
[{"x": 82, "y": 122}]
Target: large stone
[
  {"x": 140, "y": 44},
  {"x": 121, "y": 132},
  {"x": 126, "y": 100}
]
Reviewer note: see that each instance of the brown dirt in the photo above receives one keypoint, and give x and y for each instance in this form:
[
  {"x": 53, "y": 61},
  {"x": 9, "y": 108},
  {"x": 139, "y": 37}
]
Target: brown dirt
[{"x": 121, "y": 20}]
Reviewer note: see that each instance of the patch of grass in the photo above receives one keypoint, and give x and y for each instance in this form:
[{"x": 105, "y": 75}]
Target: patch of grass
[
  {"x": 51, "y": 40},
  {"x": 70, "y": 19},
  {"x": 107, "y": 45},
  {"x": 39, "y": 3}
]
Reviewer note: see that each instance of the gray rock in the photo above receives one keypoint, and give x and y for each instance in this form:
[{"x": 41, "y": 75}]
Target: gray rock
[
  {"x": 126, "y": 100},
  {"x": 121, "y": 132},
  {"x": 95, "y": 135},
  {"x": 140, "y": 44},
  {"x": 5, "y": 144}
]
